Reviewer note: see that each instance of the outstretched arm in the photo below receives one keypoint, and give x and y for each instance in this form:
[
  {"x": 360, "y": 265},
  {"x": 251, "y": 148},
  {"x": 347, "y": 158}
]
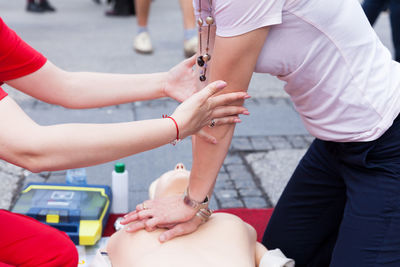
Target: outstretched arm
[
  {"x": 39, "y": 148},
  {"x": 88, "y": 90}
]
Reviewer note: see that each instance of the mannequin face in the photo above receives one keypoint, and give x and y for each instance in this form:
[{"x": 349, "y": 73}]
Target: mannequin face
[{"x": 170, "y": 183}]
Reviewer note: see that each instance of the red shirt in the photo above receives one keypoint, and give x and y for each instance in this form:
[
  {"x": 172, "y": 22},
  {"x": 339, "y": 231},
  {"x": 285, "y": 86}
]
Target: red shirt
[{"x": 17, "y": 58}]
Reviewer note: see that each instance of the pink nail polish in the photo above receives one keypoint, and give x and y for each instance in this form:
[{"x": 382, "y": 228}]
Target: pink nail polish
[{"x": 221, "y": 84}]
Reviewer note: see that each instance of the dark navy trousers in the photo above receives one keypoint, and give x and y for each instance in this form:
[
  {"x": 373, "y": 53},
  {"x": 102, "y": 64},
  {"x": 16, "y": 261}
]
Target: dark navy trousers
[{"x": 341, "y": 207}]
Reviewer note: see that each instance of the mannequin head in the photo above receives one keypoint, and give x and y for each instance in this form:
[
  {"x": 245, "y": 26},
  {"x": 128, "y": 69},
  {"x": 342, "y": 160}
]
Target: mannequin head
[{"x": 173, "y": 182}]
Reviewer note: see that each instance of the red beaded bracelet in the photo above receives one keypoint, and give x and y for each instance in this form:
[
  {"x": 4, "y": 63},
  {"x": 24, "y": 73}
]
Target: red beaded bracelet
[{"x": 177, "y": 129}]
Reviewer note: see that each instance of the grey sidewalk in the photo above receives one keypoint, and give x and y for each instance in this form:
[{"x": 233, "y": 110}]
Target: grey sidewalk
[{"x": 78, "y": 37}]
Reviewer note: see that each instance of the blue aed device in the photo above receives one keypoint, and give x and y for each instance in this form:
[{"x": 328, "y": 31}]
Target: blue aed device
[{"x": 81, "y": 211}]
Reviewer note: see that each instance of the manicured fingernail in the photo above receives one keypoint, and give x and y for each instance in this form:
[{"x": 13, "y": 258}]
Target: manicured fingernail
[
  {"x": 214, "y": 141},
  {"x": 162, "y": 238},
  {"x": 221, "y": 84},
  {"x": 238, "y": 120},
  {"x": 247, "y": 97},
  {"x": 246, "y": 112}
]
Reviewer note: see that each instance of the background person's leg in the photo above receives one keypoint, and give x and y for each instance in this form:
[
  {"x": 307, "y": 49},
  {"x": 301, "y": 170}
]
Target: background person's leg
[
  {"x": 306, "y": 219},
  {"x": 373, "y": 8},
  {"x": 190, "y": 30},
  {"x": 394, "y": 8},
  {"x": 142, "y": 41}
]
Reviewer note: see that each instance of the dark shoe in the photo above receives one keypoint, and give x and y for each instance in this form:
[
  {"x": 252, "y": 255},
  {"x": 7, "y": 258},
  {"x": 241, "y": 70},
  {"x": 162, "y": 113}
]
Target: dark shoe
[
  {"x": 33, "y": 7},
  {"x": 46, "y": 6},
  {"x": 113, "y": 12},
  {"x": 122, "y": 8}
]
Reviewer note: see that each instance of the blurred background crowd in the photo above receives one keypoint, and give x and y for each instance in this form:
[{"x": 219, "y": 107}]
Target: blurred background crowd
[{"x": 141, "y": 8}]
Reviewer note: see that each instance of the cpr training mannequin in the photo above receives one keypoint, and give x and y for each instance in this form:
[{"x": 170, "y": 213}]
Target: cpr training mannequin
[{"x": 224, "y": 240}]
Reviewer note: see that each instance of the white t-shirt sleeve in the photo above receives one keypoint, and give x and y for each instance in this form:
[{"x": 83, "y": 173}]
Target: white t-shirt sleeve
[
  {"x": 235, "y": 17},
  {"x": 275, "y": 258}
]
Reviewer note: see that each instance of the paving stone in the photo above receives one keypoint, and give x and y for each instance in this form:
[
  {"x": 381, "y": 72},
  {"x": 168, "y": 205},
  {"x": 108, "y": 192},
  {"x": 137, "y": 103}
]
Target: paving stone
[
  {"x": 231, "y": 203},
  {"x": 56, "y": 115},
  {"x": 274, "y": 88},
  {"x": 250, "y": 192},
  {"x": 274, "y": 169},
  {"x": 10, "y": 168},
  {"x": 239, "y": 173},
  {"x": 155, "y": 109},
  {"x": 224, "y": 182},
  {"x": 223, "y": 169},
  {"x": 255, "y": 202},
  {"x": 33, "y": 178},
  {"x": 279, "y": 142},
  {"x": 270, "y": 119},
  {"x": 226, "y": 194},
  {"x": 309, "y": 138},
  {"x": 297, "y": 141},
  {"x": 223, "y": 176},
  {"x": 244, "y": 183},
  {"x": 129, "y": 106},
  {"x": 260, "y": 143},
  {"x": 233, "y": 159},
  {"x": 236, "y": 168},
  {"x": 241, "y": 144},
  {"x": 8, "y": 189}
]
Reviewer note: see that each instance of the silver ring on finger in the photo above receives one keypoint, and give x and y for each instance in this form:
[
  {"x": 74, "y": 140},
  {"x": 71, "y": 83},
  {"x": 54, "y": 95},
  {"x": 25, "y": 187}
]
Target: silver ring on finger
[{"x": 212, "y": 123}]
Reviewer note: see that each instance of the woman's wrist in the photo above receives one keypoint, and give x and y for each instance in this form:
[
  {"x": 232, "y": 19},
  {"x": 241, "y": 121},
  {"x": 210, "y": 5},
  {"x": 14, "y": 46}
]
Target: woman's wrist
[
  {"x": 197, "y": 205},
  {"x": 164, "y": 84}
]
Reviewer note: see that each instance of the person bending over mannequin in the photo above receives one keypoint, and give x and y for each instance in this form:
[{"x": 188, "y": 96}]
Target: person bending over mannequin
[
  {"x": 341, "y": 206},
  {"x": 225, "y": 240},
  {"x": 26, "y": 242}
]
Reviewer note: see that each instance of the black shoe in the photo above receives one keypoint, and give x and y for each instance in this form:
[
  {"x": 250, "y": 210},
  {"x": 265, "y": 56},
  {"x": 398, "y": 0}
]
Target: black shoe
[
  {"x": 46, "y": 6},
  {"x": 121, "y": 8},
  {"x": 33, "y": 7},
  {"x": 112, "y": 12}
]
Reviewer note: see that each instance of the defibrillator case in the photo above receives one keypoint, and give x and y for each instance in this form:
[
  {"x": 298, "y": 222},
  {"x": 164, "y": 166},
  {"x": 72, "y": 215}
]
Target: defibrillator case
[{"x": 81, "y": 211}]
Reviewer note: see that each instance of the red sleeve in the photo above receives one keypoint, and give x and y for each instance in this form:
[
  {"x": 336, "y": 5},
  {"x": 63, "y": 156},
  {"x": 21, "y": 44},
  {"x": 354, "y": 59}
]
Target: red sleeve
[
  {"x": 2, "y": 93},
  {"x": 17, "y": 58}
]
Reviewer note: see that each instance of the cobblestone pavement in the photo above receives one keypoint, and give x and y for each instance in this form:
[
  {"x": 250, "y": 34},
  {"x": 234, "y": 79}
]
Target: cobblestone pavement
[{"x": 265, "y": 149}]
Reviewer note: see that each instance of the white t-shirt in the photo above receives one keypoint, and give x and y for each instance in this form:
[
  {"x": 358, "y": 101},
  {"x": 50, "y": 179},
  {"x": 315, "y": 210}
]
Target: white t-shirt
[{"x": 339, "y": 75}]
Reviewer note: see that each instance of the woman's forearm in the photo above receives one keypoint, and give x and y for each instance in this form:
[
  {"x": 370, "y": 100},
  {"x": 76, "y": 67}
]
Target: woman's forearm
[
  {"x": 243, "y": 54},
  {"x": 91, "y": 144},
  {"x": 88, "y": 90},
  {"x": 63, "y": 146},
  {"x": 207, "y": 161}
]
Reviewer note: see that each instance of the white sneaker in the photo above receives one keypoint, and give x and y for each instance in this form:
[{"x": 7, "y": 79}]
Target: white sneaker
[
  {"x": 142, "y": 43},
  {"x": 190, "y": 46}
]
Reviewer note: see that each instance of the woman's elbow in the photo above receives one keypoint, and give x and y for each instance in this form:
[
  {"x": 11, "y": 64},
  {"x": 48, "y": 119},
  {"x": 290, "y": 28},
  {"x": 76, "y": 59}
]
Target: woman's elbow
[
  {"x": 33, "y": 163},
  {"x": 28, "y": 154}
]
